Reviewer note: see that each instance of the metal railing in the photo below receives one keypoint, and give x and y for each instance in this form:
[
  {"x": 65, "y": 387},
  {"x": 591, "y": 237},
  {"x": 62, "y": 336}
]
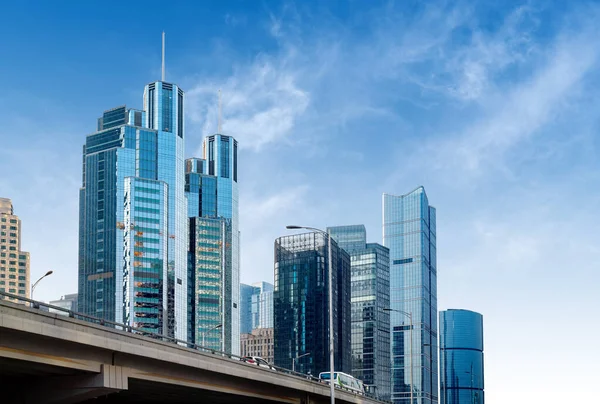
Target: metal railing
[{"x": 35, "y": 304}]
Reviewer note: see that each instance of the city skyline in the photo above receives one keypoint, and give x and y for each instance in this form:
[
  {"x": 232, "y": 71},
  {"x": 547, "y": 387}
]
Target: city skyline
[{"x": 491, "y": 107}]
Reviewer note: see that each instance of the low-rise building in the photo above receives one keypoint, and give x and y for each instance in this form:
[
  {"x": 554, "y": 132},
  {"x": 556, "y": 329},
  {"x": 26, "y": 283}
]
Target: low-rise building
[
  {"x": 67, "y": 302},
  {"x": 258, "y": 343}
]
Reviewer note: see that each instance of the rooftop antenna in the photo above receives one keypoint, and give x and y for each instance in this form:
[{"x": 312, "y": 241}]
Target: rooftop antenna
[
  {"x": 163, "y": 56},
  {"x": 220, "y": 110}
]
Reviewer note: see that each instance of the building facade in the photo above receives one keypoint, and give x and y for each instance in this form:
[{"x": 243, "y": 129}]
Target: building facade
[
  {"x": 409, "y": 231},
  {"x": 258, "y": 343},
  {"x": 246, "y": 293},
  {"x": 132, "y": 217},
  {"x": 262, "y": 306},
  {"x": 370, "y": 280},
  {"x": 461, "y": 357},
  {"x": 67, "y": 302},
  {"x": 256, "y": 306},
  {"x": 211, "y": 188},
  {"x": 301, "y": 304},
  {"x": 14, "y": 263}
]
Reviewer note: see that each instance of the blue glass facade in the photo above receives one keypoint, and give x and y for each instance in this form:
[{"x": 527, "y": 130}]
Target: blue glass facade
[
  {"x": 210, "y": 256},
  {"x": 301, "y": 321},
  {"x": 409, "y": 231},
  {"x": 256, "y": 306},
  {"x": 461, "y": 357},
  {"x": 145, "y": 286},
  {"x": 246, "y": 293},
  {"x": 163, "y": 103},
  {"x": 132, "y": 219},
  {"x": 370, "y": 282},
  {"x": 211, "y": 189},
  {"x": 262, "y": 306}
]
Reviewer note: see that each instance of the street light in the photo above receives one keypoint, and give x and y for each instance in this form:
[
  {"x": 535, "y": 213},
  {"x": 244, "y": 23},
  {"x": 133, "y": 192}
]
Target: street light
[
  {"x": 331, "y": 365},
  {"x": 38, "y": 281},
  {"x": 294, "y": 361},
  {"x": 409, "y": 315},
  {"x": 206, "y": 332}
]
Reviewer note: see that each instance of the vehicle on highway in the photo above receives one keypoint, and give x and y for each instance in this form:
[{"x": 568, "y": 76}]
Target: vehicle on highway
[
  {"x": 344, "y": 381},
  {"x": 258, "y": 361}
]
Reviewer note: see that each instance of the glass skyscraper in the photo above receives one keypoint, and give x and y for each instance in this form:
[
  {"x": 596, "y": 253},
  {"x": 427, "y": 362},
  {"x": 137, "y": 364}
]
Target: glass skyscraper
[
  {"x": 132, "y": 216},
  {"x": 409, "y": 231},
  {"x": 262, "y": 306},
  {"x": 370, "y": 279},
  {"x": 461, "y": 357},
  {"x": 256, "y": 306},
  {"x": 246, "y": 293},
  {"x": 211, "y": 187},
  {"x": 301, "y": 304}
]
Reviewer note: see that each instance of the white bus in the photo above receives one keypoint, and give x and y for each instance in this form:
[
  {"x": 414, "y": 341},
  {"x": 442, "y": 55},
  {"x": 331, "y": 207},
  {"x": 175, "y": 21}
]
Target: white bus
[{"x": 344, "y": 381}]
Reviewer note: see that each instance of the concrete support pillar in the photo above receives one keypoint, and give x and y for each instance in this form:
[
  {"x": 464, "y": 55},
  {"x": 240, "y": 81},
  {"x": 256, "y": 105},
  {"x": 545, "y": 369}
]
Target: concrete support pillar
[{"x": 74, "y": 389}]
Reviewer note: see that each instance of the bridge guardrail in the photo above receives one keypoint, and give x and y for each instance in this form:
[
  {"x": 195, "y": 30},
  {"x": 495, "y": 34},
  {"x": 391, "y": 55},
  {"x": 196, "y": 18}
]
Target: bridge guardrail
[{"x": 165, "y": 338}]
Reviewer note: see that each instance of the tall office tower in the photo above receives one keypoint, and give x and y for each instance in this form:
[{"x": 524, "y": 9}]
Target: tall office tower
[
  {"x": 132, "y": 218},
  {"x": 256, "y": 306},
  {"x": 301, "y": 304},
  {"x": 213, "y": 251},
  {"x": 370, "y": 277},
  {"x": 14, "y": 263},
  {"x": 409, "y": 233},
  {"x": 461, "y": 357}
]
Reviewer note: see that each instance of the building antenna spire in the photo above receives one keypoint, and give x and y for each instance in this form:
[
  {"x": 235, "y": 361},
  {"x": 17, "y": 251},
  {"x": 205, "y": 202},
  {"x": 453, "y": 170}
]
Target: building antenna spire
[
  {"x": 163, "y": 56},
  {"x": 219, "y": 123}
]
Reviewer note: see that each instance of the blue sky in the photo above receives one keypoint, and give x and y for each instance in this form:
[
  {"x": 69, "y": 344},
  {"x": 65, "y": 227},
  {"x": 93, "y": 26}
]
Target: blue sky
[{"x": 495, "y": 109}]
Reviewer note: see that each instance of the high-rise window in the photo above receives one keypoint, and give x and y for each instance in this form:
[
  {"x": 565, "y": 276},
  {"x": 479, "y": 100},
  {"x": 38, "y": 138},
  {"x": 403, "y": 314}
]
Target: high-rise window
[
  {"x": 211, "y": 156},
  {"x": 235, "y": 160},
  {"x": 167, "y": 109},
  {"x": 224, "y": 157},
  {"x": 180, "y": 113},
  {"x": 151, "y": 106}
]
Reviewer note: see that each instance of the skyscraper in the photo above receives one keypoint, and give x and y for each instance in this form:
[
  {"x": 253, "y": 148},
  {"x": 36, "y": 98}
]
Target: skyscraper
[
  {"x": 301, "y": 307},
  {"x": 246, "y": 293},
  {"x": 14, "y": 263},
  {"x": 256, "y": 306},
  {"x": 262, "y": 306},
  {"x": 461, "y": 357},
  {"x": 409, "y": 231},
  {"x": 132, "y": 217},
  {"x": 370, "y": 278},
  {"x": 211, "y": 186}
]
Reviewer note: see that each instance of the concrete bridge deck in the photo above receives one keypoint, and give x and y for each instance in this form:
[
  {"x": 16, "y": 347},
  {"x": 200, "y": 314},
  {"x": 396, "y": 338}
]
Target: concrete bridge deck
[{"x": 50, "y": 358}]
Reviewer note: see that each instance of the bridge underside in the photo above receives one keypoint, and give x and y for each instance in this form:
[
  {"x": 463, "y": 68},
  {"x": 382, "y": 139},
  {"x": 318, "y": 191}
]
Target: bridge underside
[{"x": 50, "y": 359}]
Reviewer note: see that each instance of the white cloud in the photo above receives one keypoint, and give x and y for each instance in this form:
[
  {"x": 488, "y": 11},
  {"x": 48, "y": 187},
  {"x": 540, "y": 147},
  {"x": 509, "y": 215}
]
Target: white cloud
[
  {"x": 513, "y": 111},
  {"x": 262, "y": 220},
  {"x": 261, "y": 103}
]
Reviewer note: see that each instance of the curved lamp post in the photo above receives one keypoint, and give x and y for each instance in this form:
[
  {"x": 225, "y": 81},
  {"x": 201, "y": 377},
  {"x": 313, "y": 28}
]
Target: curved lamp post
[
  {"x": 206, "y": 332},
  {"x": 331, "y": 341},
  {"x": 294, "y": 361},
  {"x": 38, "y": 281},
  {"x": 409, "y": 315}
]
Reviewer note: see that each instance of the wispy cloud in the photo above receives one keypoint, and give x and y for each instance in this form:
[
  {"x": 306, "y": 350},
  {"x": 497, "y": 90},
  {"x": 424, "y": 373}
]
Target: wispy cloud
[
  {"x": 261, "y": 102},
  {"x": 263, "y": 219}
]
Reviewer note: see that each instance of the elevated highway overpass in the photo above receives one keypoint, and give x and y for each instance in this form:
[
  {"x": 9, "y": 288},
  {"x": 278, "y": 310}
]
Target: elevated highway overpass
[{"x": 55, "y": 359}]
